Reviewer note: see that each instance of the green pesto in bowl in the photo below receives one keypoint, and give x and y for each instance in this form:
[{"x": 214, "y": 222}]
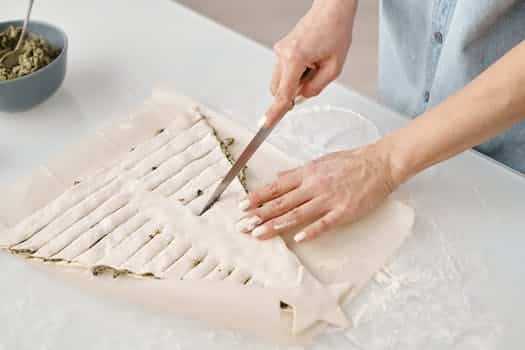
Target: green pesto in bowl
[{"x": 36, "y": 53}]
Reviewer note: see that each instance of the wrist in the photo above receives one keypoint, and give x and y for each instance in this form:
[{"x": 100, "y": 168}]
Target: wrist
[{"x": 396, "y": 160}]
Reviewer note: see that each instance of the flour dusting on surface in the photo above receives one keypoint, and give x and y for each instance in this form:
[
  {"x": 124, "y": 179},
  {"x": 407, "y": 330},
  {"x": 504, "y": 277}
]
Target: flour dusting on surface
[{"x": 425, "y": 296}]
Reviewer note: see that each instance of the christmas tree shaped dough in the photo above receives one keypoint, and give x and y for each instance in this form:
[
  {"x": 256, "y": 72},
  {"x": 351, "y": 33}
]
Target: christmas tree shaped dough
[{"x": 136, "y": 215}]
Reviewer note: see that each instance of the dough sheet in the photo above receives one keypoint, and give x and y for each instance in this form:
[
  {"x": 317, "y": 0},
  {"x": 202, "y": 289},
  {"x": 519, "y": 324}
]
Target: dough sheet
[{"x": 126, "y": 202}]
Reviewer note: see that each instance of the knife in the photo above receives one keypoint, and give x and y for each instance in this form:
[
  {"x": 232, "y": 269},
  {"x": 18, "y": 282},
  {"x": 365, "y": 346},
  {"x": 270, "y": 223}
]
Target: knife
[{"x": 254, "y": 144}]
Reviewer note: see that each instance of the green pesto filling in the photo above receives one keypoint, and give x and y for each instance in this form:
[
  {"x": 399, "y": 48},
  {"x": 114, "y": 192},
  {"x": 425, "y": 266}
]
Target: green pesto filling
[{"x": 36, "y": 53}]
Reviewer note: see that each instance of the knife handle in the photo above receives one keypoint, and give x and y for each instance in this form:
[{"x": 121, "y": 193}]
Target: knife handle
[
  {"x": 307, "y": 75},
  {"x": 283, "y": 109}
]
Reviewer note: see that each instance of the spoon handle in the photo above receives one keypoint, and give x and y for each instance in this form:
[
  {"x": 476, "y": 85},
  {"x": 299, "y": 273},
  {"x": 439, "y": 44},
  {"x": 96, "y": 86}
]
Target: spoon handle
[{"x": 24, "y": 28}]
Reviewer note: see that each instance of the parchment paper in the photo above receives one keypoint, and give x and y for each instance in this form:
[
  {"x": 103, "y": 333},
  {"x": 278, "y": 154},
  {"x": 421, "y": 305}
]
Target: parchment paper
[{"x": 331, "y": 258}]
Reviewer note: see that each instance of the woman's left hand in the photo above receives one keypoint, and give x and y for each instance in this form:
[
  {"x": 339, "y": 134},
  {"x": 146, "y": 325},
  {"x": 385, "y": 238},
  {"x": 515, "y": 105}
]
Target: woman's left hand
[{"x": 335, "y": 189}]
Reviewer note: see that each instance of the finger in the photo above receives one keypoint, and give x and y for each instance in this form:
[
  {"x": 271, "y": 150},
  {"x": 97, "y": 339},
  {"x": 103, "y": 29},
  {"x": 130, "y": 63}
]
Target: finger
[
  {"x": 290, "y": 79},
  {"x": 291, "y": 72},
  {"x": 301, "y": 215},
  {"x": 276, "y": 111},
  {"x": 276, "y": 77},
  {"x": 289, "y": 172},
  {"x": 298, "y": 170},
  {"x": 281, "y": 205},
  {"x": 268, "y": 192},
  {"x": 322, "y": 225},
  {"x": 324, "y": 76}
]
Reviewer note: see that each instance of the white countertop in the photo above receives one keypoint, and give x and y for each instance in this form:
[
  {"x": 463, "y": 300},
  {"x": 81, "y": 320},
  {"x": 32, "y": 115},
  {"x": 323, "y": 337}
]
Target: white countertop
[{"x": 468, "y": 239}]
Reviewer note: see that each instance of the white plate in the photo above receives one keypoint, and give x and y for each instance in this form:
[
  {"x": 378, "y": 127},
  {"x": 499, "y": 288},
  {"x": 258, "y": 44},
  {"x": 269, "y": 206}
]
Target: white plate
[{"x": 320, "y": 129}]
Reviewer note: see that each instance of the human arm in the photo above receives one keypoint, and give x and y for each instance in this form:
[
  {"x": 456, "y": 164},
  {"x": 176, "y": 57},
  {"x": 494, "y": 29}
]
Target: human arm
[
  {"x": 342, "y": 187},
  {"x": 490, "y": 104}
]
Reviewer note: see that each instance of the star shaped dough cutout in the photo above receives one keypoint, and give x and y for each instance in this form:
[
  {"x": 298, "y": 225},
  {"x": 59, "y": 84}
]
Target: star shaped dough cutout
[{"x": 313, "y": 302}]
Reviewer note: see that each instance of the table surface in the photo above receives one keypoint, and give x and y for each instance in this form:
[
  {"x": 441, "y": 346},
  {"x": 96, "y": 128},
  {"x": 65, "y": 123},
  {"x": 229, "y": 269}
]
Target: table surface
[{"x": 470, "y": 209}]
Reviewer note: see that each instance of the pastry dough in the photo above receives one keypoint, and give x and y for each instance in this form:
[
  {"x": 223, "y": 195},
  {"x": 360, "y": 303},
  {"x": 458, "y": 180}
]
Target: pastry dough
[{"x": 136, "y": 214}]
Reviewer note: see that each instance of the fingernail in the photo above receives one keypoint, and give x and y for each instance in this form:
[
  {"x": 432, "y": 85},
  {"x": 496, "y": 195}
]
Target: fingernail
[
  {"x": 248, "y": 224},
  {"x": 244, "y": 204},
  {"x": 252, "y": 222},
  {"x": 241, "y": 225},
  {"x": 299, "y": 237},
  {"x": 262, "y": 121},
  {"x": 259, "y": 231}
]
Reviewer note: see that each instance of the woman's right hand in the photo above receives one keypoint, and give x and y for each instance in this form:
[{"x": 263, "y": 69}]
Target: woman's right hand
[{"x": 321, "y": 41}]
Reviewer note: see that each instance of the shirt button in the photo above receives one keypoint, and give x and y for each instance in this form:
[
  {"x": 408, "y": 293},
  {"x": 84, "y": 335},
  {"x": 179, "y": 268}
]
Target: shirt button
[
  {"x": 438, "y": 37},
  {"x": 426, "y": 96}
]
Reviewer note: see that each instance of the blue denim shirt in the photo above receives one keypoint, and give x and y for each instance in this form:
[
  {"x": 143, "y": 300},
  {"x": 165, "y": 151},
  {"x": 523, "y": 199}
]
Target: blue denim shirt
[{"x": 429, "y": 49}]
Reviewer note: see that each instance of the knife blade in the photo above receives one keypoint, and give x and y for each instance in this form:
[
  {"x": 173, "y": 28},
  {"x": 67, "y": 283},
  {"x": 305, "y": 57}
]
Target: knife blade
[{"x": 254, "y": 144}]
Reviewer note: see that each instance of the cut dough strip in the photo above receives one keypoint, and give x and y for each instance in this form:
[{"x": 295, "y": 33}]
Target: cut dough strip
[
  {"x": 167, "y": 257},
  {"x": 97, "y": 251},
  {"x": 97, "y": 233},
  {"x": 178, "y": 163},
  {"x": 162, "y": 137},
  {"x": 89, "y": 222},
  {"x": 70, "y": 217},
  {"x": 40, "y": 219},
  {"x": 173, "y": 148}
]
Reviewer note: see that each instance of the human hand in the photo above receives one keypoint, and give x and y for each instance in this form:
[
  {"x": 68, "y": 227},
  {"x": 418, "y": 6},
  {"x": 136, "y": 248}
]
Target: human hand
[
  {"x": 335, "y": 189},
  {"x": 320, "y": 41}
]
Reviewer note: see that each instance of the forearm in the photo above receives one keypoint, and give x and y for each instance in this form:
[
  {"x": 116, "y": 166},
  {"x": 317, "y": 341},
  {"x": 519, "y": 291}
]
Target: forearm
[{"x": 491, "y": 103}]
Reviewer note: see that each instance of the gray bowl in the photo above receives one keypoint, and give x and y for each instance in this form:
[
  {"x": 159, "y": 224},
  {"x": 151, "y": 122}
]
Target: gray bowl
[{"x": 26, "y": 92}]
